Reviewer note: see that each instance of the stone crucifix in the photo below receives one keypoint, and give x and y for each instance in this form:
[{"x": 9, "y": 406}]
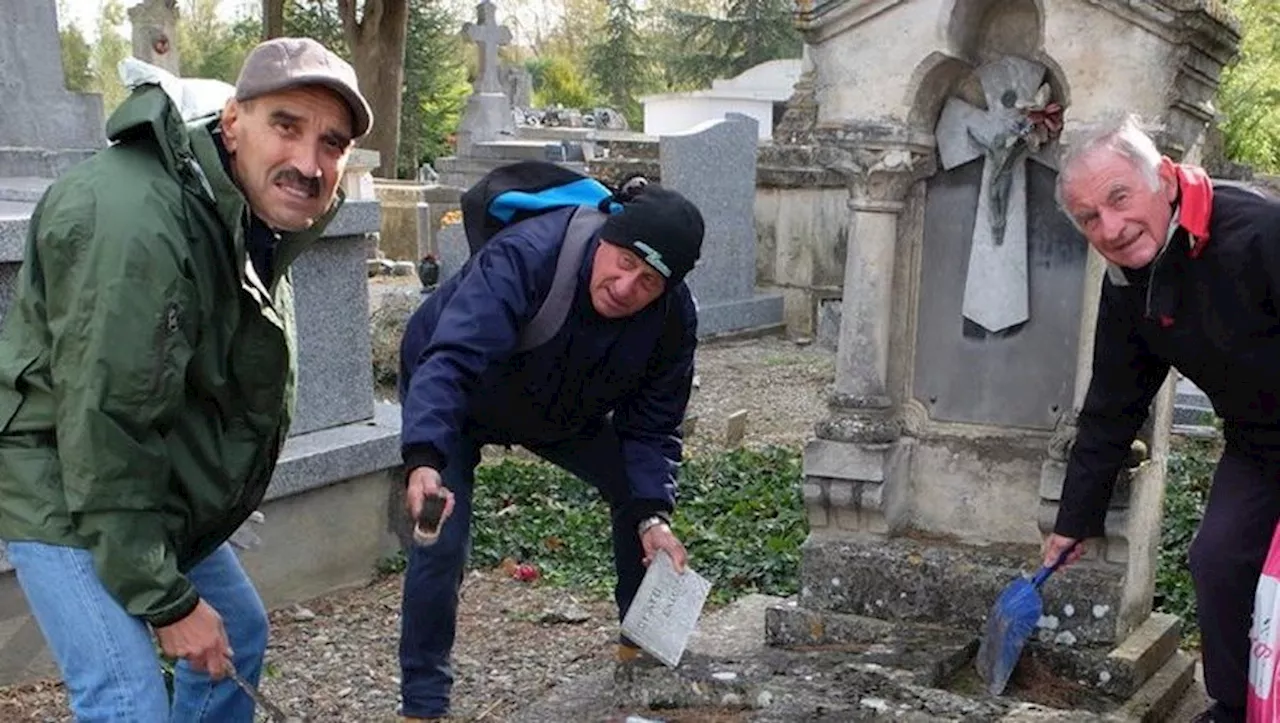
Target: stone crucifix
[
  {"x": 487, "y": 34},
  {"x": 996, "y": 293}
]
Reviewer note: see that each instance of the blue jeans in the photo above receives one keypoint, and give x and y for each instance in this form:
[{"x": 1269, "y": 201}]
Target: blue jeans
[
  {"x": 108, "y": 657},
  {"x": 429, "y": 605}
]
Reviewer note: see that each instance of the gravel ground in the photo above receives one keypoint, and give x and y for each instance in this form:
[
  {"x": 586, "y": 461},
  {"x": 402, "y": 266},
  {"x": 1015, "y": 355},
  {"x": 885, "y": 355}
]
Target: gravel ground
[{"x": 334, "y": 658}]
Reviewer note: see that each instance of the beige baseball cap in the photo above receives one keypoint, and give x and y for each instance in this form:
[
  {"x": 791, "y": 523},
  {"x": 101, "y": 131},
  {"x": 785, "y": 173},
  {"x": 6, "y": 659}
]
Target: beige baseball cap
[{"x": 282, "y": 63}]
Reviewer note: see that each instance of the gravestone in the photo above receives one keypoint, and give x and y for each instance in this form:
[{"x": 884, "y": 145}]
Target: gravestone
[
  {"x": 517, "y": 83},
  {"x": 487, "y": 115},
  {"x": 452, "y": 250},
  {"x": 714, "y": 166},
  {"x": 1021, "y": 376},
  {"x": 939, "y": 468},
  {"x": 44, "y": 128},
  {"x": 154, "y": 26},
  {"x": 487, "y": 135}
]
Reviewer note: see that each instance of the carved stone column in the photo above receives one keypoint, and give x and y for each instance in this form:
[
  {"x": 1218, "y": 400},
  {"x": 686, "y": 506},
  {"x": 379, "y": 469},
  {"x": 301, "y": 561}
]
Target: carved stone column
[{"x": 850, "y": 467}]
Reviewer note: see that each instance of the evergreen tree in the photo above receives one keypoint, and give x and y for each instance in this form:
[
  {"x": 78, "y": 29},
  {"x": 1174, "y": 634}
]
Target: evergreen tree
[
  {"x": 617, "y": 61},
  {"x": 750, "y": 33}
]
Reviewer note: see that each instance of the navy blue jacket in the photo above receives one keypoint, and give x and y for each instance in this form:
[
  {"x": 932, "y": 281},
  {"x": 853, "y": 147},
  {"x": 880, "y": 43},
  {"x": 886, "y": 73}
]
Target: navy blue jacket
[{"x": 459, "y": 371}]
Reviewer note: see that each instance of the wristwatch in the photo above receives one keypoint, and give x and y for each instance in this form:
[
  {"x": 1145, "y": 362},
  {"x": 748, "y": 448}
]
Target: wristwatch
[{"x": 649, "y": 522}]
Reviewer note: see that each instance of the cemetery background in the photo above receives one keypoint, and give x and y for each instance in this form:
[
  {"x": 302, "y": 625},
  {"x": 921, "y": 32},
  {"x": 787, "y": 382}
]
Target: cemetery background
[{"x": 778, "y": 184}]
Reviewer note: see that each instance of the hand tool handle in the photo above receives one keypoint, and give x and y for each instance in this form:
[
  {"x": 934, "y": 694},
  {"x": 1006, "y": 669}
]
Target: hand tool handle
[
  {"x": 426, "y": 529},
  {"x": 1045, "y": 572}
]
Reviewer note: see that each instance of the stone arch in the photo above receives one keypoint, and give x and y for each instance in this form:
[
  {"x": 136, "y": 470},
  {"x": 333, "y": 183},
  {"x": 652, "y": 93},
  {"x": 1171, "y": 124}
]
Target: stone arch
[
  {"x": 980, "y": 30},
  {"x": 934, "y": 79}
]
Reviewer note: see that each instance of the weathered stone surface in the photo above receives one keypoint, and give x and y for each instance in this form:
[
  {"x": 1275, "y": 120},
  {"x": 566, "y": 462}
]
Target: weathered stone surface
[
  {"x": 765, "y": 659},
  {"x": 950, "y": 585}
]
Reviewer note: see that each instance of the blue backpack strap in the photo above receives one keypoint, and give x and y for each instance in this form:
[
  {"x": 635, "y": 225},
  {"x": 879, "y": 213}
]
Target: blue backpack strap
[{"x": 555, "y": 308}]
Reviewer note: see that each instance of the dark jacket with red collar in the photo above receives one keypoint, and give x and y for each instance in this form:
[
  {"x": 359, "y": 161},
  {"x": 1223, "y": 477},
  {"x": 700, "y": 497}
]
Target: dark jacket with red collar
[{"x": 1208, "y": 305}]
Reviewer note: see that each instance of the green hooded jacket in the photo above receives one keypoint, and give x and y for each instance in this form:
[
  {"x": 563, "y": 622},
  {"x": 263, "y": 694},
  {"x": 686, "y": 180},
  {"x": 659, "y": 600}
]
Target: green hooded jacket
[{"x": 146, "y": 375}]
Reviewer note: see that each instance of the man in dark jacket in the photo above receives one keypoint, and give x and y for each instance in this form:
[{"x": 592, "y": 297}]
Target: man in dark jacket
[
  {"x": 603, "y": 398},
  {"x": 1192, "y": 282},
  {"x": 147, "y": 376}
]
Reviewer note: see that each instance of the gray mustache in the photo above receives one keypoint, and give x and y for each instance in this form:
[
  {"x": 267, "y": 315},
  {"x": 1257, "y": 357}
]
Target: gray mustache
[{"x": 294, "y": 176}]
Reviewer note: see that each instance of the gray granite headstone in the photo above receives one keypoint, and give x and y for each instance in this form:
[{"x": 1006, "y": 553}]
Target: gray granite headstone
[
  {"x": 453, "y": 248},
  {"x": 331, "y": 303},
  {"x": 44, "y": 129},
  {"x": 1020, "y": 377},
  {"x": 714, "y": 166}
]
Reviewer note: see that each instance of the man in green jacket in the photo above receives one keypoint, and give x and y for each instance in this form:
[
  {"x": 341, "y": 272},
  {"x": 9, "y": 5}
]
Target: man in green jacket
[{"x": 147, "y": 377}]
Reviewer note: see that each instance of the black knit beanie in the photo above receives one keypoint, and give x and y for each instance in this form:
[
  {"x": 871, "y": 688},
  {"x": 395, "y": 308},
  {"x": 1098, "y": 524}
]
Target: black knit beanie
[{"x": 660, "y": 226}]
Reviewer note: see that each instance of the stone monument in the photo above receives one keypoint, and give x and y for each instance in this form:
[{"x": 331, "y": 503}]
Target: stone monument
[
  {"x": 714, "y": 165},
  {"x": 967, "y": 318},
  {"x": 44, "y": 128},
  {"x": 155, "y": 33},
  {"x": 487, "y": 116}
]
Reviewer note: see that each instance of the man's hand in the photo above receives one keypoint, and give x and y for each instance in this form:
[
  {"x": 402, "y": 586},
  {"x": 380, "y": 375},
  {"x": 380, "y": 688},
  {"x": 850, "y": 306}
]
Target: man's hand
[
  {"x": 424, "y": 482},
  {"x": 200, "y": 639},
  {"x": 1055, "y": 545},
  {"x": 660, "y": 537}
]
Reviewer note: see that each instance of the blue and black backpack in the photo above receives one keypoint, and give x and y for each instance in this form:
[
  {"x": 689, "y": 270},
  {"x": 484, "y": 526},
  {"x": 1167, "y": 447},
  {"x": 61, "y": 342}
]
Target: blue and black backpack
[{"x": 512, "y": 193}]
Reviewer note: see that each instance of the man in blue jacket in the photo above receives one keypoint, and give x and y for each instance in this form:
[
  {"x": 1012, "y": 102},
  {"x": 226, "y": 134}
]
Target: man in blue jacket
[{"x": 603, "y": 398}]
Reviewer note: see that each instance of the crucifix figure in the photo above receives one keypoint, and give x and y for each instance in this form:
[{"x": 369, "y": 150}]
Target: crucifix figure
[
  {"x": 1005, "y": 136},
  {"x": 488, "y": 35}
]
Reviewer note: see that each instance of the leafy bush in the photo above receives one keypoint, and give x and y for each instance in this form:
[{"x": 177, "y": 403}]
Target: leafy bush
[
  {"x": 740, "y": 515},
  {"x": 1191, "y": 465}
]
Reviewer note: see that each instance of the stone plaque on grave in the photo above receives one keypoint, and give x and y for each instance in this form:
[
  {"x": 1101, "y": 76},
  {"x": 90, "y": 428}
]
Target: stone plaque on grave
[
  {"x": 665, "y": 610},
  {"x": 1023, "y": 376}
]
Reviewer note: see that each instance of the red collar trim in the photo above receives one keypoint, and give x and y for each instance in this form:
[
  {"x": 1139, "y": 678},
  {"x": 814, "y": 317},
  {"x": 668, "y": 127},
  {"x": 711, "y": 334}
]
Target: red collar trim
[{"x": 1195, "y": 205}]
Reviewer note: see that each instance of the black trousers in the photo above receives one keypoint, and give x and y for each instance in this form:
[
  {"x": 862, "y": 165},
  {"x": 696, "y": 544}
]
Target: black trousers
[{"x": 1226, "y": 560}]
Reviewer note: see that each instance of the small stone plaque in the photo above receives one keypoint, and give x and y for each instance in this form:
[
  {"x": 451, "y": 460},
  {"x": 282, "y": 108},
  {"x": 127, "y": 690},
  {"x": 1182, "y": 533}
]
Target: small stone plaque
[{"x": 665, "y": 610}]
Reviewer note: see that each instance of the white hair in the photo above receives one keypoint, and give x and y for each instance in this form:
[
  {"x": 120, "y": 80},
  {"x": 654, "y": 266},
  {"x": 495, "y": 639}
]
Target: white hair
[{"x": 1124, "y": 136}]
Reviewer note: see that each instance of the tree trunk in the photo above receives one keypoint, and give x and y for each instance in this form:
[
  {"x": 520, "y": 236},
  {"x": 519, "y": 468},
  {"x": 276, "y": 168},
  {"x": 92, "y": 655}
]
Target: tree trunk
[
  {"x": 377, "y": 43},
  {"x": 272, "y": 19}
]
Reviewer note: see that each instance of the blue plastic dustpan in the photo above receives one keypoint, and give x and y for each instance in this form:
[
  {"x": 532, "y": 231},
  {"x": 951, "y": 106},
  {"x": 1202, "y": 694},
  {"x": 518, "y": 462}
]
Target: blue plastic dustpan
[{"x": 1013, "y": 618}]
